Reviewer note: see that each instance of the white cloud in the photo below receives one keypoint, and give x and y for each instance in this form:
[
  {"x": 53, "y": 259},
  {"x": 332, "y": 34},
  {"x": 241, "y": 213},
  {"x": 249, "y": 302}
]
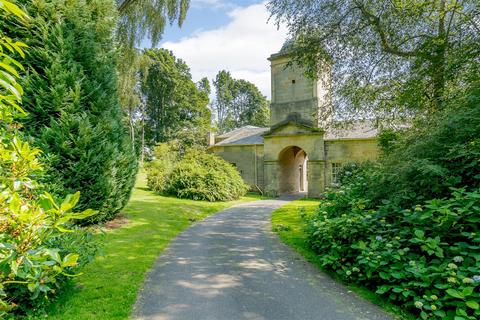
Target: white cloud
[{"x": 241, "y": 47}]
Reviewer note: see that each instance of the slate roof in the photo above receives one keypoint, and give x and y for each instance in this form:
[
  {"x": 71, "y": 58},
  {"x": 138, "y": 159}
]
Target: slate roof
[
  {"x": 355, "y": 130},
  {"x": 251, "y": 135},
  {"x": 242, "y": 136}
]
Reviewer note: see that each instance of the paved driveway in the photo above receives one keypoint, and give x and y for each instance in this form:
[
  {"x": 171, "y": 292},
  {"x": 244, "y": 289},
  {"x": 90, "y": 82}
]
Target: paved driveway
[{"x": 231, "y": 266}]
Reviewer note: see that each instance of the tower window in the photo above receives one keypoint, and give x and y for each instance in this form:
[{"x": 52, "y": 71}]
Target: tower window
[{"x": 293, "y": 81}]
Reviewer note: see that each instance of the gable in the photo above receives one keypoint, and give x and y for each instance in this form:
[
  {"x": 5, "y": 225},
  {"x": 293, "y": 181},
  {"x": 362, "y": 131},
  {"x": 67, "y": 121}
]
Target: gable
[{"x": 292, "y": 127}]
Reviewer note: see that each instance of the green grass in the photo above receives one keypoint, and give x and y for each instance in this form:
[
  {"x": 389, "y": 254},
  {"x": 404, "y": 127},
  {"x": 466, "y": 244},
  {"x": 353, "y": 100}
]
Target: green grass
[
  {"x": 108, "y": 287},
  {"x": 287, "y": 222}
]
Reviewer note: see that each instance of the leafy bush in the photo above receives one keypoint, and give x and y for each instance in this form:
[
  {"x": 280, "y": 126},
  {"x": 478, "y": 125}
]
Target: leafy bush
[
  {"x": 32, "y": 268},
  {"x": 72, "y": 100},
  {"x": 435, "y": 154},
  {"x": 408, "y": 225},
  {"x": 426, "y": 258},
  {"x": 165, "y": 155},
  {"x": 203, "y": 176}
]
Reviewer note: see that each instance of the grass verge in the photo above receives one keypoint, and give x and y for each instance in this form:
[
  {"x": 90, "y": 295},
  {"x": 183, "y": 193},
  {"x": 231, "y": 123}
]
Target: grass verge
[
  {"x": 288, "y": 224},
  {"x": 108, "y": 286}
]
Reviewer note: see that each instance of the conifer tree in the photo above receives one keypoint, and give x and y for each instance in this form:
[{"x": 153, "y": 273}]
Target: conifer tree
[{"x": 72, "y": 100}]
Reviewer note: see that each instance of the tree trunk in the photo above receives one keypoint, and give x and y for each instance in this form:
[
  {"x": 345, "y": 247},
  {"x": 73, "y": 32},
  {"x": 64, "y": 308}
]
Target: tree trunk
[{"x": 438, "y": 60}]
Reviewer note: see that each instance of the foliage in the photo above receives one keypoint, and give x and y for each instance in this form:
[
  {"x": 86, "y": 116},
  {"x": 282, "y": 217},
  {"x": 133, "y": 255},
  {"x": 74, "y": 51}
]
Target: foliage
[
  {"x": 72, "y": 100},
  {"x": 176, "y": 107},
  {"x": 426, "y": 160},
  {"x": 238, "y": 103},
  {"x": 203, "y": 176},
  {"x": 158, "y": 170},
  {"x": 426, "y": 258},
  {"x": 141, "y": 19},
  {"x": 289, "y": 222},
  {"x": 32, "y": 268},
  {"x": 388, "y": 57},
  {"x": 130, "y": 63},
  {"x": 408, "y": 225},
  {"x": 437, "y": 153},
  {"x": 108, "y": 287},
  {"x": 387, "y": 139}
]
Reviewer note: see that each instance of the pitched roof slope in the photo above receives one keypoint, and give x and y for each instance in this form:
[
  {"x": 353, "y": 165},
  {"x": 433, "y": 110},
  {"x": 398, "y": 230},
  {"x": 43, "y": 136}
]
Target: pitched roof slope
[
  {"x": 251, "y": 135},
  {"x": 247, "y": 135},
  {"x": 351, "y": 130}
]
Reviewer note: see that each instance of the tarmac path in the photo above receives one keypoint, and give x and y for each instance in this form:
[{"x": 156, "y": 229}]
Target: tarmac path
[{"x": 230, "y": 266}]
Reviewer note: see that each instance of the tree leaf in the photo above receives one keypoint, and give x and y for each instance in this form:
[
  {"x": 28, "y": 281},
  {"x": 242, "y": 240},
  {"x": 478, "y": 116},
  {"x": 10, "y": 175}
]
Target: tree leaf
[{"x": 472, "y": 304}]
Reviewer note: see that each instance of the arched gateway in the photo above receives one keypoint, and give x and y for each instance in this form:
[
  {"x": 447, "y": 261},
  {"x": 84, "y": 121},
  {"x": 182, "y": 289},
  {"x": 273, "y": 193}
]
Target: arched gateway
[{"x": 292, "y": 170}]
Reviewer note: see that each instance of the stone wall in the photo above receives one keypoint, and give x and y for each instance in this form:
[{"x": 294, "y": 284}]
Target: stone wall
[
  {"x": 292, "y": 91},
  {"x": 344, "y": 151},
  {"x": 288, "y": 83},
  {"x": 307, "y": 109}
]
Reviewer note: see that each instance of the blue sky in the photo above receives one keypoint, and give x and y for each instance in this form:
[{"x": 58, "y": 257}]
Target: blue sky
[
  {"x": 204, "y": 15},
  {"x": 232, "y": 35}
]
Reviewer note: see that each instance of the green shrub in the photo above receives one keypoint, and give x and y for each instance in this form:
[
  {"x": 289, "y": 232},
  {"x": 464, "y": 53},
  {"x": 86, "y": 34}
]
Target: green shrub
[
  {"x": 408, "y": 225},
  {"x": 38, "y": 248},
  {"x": 165, "y": 156},
  {"x": 203, "y": 176},
  {"x": 426, "y": 258},
  {"x": 436, "y": 153},
  {"x": 72, "y": 100}
]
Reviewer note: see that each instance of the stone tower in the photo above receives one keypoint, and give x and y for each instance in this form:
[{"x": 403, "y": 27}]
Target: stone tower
[{"x": 295, "y": 95}]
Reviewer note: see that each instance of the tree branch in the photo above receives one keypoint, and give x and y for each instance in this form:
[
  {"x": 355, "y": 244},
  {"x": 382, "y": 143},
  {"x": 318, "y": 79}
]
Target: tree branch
[
  {"x": 124, "y": 5},
  {"x": 375, "y": 22}
]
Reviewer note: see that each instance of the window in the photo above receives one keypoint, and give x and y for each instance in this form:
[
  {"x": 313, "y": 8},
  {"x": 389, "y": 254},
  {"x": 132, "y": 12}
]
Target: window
[
  {"x": 293, "y": 81},
  {"x": 336, "y": 167}
]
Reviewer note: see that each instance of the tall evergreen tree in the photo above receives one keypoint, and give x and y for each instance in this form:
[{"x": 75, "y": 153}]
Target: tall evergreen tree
[{"x": 72, "y": 100}]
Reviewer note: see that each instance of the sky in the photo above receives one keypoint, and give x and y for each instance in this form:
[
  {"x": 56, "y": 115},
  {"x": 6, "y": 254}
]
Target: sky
[{"x": 232, "y": 35}]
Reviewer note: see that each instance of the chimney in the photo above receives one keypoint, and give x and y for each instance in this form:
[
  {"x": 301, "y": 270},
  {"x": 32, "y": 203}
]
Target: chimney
[{"x": 211, "y": 139}]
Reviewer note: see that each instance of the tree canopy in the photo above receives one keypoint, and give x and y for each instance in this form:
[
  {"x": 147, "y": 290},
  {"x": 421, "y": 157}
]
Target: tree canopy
[
  {"x": 388, "y": 57},
  {"x": 176, "y": 107},
  {"x": 238, "y": 103},
  {"x": 139, "y": 19}
]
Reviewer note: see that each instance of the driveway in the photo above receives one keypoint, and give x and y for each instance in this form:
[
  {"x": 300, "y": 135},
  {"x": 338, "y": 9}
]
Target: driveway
[{"x": 231, "y": 266}]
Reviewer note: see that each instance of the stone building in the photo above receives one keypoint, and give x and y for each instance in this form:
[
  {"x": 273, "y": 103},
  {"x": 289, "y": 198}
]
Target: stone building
[{"x": 299, "y": 152}]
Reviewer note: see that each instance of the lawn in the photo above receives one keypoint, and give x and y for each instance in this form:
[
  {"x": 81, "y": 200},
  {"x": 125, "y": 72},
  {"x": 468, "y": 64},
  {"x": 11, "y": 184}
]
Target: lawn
[
  {"x": 108, "y": 287},
  {"x": 289, "y": 225}
]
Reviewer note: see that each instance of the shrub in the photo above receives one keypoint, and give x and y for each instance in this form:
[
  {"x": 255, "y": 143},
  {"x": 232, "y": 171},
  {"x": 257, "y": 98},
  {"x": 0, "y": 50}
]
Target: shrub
[
  {"x": 165, "y": 156},
  {"x": 203, "y": 176},
  {"x": 408, "y": 225},
  {"x": 36, "y": 254},
  {"x": 72, "y": 101},
  {"x": 435, "y": 154},
  {"x": 426, "y": 258}
]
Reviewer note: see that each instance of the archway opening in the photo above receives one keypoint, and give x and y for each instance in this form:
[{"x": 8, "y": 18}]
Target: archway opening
[{"x": 292, "y": 176}]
